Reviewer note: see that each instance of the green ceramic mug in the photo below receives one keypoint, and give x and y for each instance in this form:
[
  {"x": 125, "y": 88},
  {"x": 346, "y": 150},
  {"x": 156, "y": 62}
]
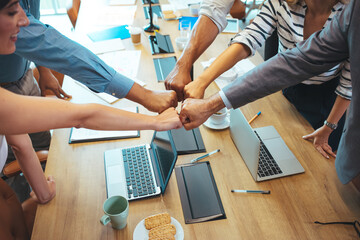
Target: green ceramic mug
[{"x": 116, "y": 209}]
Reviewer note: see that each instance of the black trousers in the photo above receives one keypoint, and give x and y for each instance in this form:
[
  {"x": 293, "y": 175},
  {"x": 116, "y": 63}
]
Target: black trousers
[{"x": 314, "y": 102}]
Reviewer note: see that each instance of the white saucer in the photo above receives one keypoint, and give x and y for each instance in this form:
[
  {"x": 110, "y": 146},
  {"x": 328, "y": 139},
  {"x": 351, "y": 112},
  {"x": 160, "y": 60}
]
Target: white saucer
[
  {"x": 141, "y": 232},
  {"x": 222, "y": 126}
]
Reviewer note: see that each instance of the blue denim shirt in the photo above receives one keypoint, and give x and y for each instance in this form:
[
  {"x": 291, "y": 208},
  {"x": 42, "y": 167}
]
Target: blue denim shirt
[{"x": 45, "y": 46}]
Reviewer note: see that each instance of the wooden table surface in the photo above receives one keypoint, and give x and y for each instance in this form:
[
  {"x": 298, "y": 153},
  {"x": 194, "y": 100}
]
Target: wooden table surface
[{"x": 288, "y": 212}]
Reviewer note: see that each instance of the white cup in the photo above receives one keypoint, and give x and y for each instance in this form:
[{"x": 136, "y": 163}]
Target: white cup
[
  {"x": 218, "y": 117},
  {"x": 181, "y": 42}
]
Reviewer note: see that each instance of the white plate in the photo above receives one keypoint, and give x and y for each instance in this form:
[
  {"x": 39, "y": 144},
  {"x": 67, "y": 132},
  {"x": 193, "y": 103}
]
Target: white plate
[
  {"x": 141, "y": 233},
  {"x": 222, "y": 126}
]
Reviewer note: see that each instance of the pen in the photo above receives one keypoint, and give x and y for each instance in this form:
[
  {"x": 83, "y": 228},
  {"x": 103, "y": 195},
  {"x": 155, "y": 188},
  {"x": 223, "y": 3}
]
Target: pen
[
  {"x": 204, "y": 156},
  {"x": 251, "y": 120},
  {"x": 251, "y": 191}
]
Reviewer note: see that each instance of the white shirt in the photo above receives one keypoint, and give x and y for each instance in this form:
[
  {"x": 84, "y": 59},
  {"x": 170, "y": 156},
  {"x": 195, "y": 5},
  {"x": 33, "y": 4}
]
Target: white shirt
[
  {"x": 216, "y": 10},
  {"x": 3, "y": 151}
]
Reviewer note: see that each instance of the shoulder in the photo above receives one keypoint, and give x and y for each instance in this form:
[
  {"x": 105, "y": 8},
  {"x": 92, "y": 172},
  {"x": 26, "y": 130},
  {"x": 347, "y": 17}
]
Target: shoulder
[{"x": 283, "y": 5}]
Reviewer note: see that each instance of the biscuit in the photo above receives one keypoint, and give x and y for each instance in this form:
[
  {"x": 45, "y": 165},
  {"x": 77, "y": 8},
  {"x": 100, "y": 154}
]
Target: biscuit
[
  {"x": 157, "y": 220},
  {"x": 167, "y": 11},
  {"x": 168, "y": 236},
  {"x": 169, "y": 16},
  {"x": 163, "y": 230}
]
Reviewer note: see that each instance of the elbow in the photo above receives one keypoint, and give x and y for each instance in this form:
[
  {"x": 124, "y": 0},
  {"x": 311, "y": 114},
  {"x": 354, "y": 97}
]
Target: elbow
[
  {"x": 19, "y": 146},
  {"x": 44, "y": 198},
  {"x": 85, "y": 116}
]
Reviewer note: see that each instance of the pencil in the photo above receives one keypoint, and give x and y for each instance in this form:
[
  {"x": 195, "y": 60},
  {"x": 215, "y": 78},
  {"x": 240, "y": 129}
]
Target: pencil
[
  {"x": 204, "y": 156},
  {"x": 251, "y": 191},
  {"x": 251, "y": 120}
]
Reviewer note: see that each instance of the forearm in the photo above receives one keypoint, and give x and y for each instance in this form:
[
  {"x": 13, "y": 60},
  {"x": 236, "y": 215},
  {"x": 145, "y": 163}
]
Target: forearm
[
  {"x": 100, "y": 117},
  {"x": 138, "y": 94},
  {"x": 198, "y": 43},
  {"x": 224, "y": 62},
  {"x": 338, "y": 110},
  {"x": 30, "y": 166},
  {"x": 214, "y": 104},
  {"x": 46, "y": 113}
]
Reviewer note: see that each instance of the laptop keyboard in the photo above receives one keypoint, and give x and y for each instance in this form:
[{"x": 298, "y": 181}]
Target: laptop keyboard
[
  {"x": 267, "y": 164},
  {"x": 139, "y": 177}
]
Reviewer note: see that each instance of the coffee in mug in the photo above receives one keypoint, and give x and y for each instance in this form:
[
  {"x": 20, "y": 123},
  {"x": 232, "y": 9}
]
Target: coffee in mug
[{"x": 218, "y": 117}]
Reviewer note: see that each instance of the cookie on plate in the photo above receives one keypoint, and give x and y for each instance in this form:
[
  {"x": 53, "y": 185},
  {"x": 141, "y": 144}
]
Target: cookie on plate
[
  {"x": 163, "y": 237},
  {"x": 163, "y": 230},
  {"x": 157, "y": 220}
]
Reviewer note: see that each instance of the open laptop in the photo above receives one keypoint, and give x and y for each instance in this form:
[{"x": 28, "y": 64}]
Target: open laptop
[
  {"x": 263, "y": 150},
  {"x": 140, "y": 171}
]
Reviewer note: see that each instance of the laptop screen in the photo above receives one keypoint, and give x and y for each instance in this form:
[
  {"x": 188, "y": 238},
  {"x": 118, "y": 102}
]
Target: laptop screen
[{"x": 165, "y": 154}]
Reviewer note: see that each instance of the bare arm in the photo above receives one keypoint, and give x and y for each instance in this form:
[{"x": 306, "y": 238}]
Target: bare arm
[
  {"x": 321, "y": 135},
  {"x": 180, "y": 75},
  {"x": 224, "y": 62},
  {"x": 18, "y": 111},
  {"x": 44, "y": 189}
]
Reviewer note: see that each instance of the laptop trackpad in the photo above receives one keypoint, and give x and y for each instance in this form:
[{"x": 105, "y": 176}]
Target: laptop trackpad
[
  {"x": 268, "y": 132},
  {"x": 278, "y": 149}
]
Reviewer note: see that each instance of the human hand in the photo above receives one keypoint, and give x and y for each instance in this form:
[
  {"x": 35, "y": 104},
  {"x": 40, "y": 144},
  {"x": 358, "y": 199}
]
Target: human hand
[
  {"x": 194, "y": 112},
  {"x": 177, "y": 79},
  {"x": 159, "y": 101},
  {"x": 47, "y": 81},
  {"x": 51, "y": 191},
  {"x": 168, "y": 119},
  {"x": 194, "y": 90},
  {"x": 320, "y": 139}
]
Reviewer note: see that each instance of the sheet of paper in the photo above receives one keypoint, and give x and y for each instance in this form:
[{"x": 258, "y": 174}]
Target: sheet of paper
[
  {"x": 111, "y": 45},
  {"x": 121, "y": 2},
  {"x": 182, "y": 4},
  {"x": 125, "y": 62},
  {"x": 104, "y": 96},
  {"x": 238, "y": 70},
  {"x": 116, "y": 15},
  {"x": 167, "y": 7},
  {"x": 83, "y": 134},
  {"x": 100, "y": 17},
  {"x": 99, "y": 47}
]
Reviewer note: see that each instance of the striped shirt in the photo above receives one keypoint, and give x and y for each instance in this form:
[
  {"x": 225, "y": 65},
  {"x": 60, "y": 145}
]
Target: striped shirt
[{"x": 289, "y": 21}]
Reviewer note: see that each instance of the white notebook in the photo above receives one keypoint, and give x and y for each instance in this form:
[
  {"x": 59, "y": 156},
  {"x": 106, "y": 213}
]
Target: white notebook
[{"x": 80, "y": 135}]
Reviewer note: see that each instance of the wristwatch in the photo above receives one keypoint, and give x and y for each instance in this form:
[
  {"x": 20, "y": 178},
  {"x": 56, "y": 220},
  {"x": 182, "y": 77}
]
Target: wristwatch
[{"x": 333, "y": 126}]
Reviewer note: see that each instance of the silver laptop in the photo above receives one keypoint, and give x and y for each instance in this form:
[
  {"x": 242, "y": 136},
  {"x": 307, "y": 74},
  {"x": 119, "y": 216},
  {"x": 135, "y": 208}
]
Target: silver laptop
[
  {"x": 140, "y": 171},
  {"x": 263, "y": 150}
]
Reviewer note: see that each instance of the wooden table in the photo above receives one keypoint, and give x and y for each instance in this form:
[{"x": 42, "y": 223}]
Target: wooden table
[{"x": 288, "y": 212}]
